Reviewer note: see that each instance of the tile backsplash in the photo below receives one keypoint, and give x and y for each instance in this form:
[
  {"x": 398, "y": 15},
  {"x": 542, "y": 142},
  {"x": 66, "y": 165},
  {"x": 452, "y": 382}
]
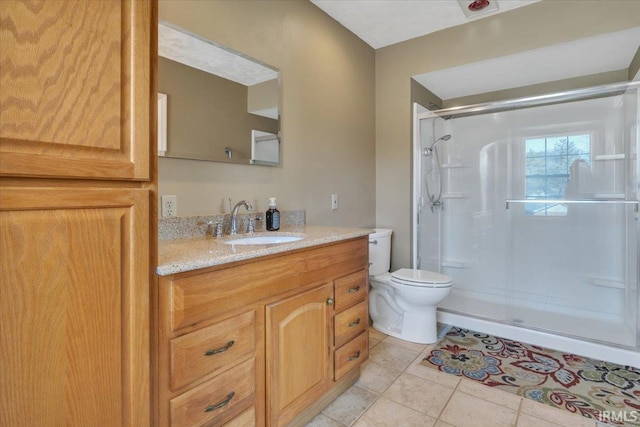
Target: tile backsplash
[{"x": 189, "y": 227}]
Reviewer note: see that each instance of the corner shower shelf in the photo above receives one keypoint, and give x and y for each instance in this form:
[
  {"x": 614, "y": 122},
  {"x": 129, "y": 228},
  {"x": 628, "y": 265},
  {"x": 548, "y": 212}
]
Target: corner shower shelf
[
  {"x": 452, "y": 263},
  {"x": 452, "y": 165},
  {"x": 620, "y": 196},
  {"x": 610, "y": 157},
  {"x": 603, "y": 282},
  {"x": 455, "y": 196}
]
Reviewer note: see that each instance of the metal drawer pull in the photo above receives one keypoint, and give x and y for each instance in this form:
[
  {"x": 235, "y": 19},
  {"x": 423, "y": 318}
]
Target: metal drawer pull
[
  {"x": 354, "y": 289},
  {"x": 373, "y": 242},
  {"x": 355, "y": 356},
  {"x": 219, "y": 405},
  {"x": 219, "y": 350},
  {"x": 354, "y": 323}
]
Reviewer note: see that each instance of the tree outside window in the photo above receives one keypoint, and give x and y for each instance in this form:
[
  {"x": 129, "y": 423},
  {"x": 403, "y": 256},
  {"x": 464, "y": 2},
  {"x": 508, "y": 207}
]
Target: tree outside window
[{"x": 548, "y": 161}]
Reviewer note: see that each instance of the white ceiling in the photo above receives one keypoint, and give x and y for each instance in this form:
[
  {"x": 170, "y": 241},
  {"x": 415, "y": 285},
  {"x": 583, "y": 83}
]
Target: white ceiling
[
  {"x": 593, "y": 55},
  {"x": 384, "y": 22}
]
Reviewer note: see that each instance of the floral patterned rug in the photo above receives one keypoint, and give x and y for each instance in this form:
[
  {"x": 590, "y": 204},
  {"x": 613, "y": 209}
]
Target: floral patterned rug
[{"x": 603, "y": 391}]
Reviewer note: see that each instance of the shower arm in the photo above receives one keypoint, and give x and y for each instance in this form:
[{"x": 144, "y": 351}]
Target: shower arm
[{"x": 429, "y": 150}]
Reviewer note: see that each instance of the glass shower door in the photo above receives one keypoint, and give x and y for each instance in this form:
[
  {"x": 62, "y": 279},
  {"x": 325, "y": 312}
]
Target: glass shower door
[{"x": 575, "y": 274}]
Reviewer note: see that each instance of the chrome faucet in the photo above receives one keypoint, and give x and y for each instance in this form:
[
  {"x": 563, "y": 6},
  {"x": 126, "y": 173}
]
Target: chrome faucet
[{"x": 234, "y": 214}]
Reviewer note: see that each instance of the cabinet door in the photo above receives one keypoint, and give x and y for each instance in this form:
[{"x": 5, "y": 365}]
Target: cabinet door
[
  {"x": 75, "y": 88},
  {"x": 298, "y": 352},
  {"x": 74, "y": 317}
]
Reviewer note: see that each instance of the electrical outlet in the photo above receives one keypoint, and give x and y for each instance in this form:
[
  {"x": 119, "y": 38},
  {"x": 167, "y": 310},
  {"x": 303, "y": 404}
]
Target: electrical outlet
[
  {"x": 169, "y": 206},
  {"x": 334, "y": 202}
]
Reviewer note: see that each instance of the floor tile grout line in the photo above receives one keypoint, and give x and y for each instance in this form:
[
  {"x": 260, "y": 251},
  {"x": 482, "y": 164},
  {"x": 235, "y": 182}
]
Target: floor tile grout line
[
  {"x": 366, "y": 409},
  {"x": 422, "y": 352},
  {"x": 518, "y": 413},
  {"x": 455, "y": 389}
]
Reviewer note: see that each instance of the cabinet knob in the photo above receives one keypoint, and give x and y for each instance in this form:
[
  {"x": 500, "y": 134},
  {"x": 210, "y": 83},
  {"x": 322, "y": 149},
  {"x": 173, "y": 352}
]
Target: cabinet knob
[{"x": 329, "y": 301}]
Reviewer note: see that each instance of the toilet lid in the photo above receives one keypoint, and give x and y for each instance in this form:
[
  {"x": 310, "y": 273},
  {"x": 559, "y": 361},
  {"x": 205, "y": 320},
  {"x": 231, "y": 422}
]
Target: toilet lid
[{"x": 424, "y": 278}]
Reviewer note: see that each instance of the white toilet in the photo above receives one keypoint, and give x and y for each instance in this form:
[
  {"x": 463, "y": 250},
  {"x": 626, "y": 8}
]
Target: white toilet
[{"x": 403, "y": 303}]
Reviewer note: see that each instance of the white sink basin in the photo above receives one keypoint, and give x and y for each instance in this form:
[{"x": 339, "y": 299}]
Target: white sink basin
[{"x": 263, "y": 240}]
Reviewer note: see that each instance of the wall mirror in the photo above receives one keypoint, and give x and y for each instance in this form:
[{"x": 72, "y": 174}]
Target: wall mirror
[{"x": 214, "y": 103}]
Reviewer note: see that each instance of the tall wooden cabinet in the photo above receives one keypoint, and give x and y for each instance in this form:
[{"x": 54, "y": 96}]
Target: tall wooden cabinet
[{"x": 77, "y": 183}]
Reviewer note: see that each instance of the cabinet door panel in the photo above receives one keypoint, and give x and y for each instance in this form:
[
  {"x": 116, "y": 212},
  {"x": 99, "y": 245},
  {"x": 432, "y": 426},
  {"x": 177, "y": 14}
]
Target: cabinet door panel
[
  {"x": 298, "y": 352},
  {"x": 74, "y": 309},
  {"x": 75, "y": 88}
]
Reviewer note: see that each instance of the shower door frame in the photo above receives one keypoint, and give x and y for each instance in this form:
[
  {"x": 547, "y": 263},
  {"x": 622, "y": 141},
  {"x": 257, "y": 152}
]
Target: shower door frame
[{"x": 420, "y": 113}]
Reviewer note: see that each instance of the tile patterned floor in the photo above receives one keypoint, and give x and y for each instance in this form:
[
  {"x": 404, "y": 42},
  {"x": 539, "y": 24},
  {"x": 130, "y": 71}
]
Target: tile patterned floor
[{"x": 395, "y": 390}]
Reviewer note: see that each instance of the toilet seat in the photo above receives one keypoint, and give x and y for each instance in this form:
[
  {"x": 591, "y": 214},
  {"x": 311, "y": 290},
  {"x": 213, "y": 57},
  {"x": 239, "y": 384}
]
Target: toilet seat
[{"x": 420, "y": 278}]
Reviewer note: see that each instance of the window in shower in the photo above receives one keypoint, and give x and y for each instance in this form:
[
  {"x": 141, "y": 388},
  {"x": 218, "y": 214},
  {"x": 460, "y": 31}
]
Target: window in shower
[{"x": 554, "y": 168}]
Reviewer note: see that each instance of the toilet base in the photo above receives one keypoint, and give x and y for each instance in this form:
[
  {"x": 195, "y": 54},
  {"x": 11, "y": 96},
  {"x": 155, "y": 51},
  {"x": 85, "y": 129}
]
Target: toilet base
[{"x": 418, "y": 327}]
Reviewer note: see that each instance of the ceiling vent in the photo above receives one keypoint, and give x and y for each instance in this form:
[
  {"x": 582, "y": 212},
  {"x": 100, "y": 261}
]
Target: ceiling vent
[{"x": 476, "y": 8}]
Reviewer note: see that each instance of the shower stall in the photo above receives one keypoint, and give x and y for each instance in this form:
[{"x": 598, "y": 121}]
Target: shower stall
[{"x": 531, "y": 206}]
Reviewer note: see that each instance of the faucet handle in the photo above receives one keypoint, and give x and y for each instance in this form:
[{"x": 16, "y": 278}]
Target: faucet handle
[
  {"x": 218, "y": 229},
  {"x": 251, "y": 225},
  {"x": 209, "y": 230}
]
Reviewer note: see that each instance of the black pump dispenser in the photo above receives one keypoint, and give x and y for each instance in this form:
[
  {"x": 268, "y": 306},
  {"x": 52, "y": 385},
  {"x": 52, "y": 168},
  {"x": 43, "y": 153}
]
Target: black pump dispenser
[{"x": 273, "y": 216}]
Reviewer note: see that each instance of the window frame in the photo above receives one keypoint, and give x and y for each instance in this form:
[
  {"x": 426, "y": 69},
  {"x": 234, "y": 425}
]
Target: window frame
[{"x": 546, "y": 132}]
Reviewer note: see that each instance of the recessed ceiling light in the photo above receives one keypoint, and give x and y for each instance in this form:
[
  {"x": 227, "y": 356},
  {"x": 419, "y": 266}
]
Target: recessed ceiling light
[{"x": 475, "y": 8}]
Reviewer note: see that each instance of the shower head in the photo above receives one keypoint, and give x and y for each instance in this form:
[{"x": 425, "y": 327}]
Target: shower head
[{"x": 429, "y": 151}]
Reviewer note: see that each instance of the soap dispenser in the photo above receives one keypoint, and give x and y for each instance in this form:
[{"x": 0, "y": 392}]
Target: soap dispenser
[{"x": 272, "y": 216}]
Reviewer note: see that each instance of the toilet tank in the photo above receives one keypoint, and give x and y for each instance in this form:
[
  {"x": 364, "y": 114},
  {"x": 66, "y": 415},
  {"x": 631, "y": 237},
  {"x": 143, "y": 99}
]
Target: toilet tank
[{"x": 379, "y": 251}]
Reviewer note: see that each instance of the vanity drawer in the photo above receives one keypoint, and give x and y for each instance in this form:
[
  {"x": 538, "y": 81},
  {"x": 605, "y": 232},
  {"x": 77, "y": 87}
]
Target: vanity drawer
[
  {"x": 212, "y": 349},
  {"x": 350, "y": 289},
  {"x": 216, "y": 401},
  {"x": 245, "y": 419},
  {"x": 351, "y": 355},
  {"x": 350, "y": 323}
]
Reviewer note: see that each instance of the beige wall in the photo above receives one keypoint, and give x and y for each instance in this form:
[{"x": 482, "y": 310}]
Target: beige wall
[
  {"x": 327, "y": 113},
  {"x": 535, "y": 26}
]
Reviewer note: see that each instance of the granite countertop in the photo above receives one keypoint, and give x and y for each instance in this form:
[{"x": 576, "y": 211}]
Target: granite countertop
[{"x": 180, "y": 255}]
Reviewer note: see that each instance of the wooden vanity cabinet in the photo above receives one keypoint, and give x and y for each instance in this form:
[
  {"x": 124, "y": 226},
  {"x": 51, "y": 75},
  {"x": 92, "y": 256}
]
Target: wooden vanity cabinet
[{"x": 254, "y": 341}]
